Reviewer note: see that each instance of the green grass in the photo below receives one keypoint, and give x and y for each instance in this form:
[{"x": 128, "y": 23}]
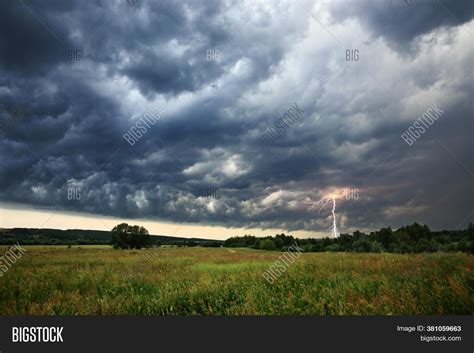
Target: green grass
[{"x": 96, "y": 280}]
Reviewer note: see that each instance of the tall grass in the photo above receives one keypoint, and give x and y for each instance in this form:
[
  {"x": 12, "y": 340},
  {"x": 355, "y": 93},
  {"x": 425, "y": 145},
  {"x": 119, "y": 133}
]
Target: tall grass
[{"x": 215, "y": 281}]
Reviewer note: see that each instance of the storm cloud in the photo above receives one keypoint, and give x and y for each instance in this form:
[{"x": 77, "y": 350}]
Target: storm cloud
[{"x": 76, "y": 76}]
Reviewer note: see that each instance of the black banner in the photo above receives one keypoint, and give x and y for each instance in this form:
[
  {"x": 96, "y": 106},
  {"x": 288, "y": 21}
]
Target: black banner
[{"x": 245, "y": 334}]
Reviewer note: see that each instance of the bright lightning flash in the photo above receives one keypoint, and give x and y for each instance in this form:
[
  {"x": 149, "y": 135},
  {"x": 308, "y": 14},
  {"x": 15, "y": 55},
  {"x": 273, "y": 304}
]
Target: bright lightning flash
[
  {"x": 322, "y": 204},
  {"x": 334, "y": 231}
]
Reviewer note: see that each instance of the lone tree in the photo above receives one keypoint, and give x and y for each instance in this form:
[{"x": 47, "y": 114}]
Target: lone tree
[{"x": 125, "y": 236}]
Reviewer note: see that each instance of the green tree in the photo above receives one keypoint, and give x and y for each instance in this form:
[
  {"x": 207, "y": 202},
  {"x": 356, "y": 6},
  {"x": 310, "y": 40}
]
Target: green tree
[
  {"x": 386, "y": 237},
  {"x": 125, "y": 236},
  {"x": 362, "y": 245},
  {"x": 266, "y": 244}
]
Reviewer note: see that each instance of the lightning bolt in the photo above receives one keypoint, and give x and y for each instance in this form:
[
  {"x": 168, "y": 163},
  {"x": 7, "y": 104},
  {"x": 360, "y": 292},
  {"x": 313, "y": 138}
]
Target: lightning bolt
[
  {"x": 334, "y": 231},
  {"x": 322, "y": 204}
]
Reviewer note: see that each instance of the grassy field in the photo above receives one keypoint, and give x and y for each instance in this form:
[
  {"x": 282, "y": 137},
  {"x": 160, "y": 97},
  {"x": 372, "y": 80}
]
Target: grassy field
[{"x": 98, "y": 280}]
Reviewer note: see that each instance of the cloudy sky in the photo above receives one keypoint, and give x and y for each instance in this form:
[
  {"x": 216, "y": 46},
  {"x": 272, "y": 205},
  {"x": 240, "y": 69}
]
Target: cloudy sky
[{"x": 213, "y": 78}]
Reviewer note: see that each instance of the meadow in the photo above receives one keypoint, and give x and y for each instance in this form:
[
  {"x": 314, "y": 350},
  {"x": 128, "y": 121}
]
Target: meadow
[{"x": 98, "y": 280}]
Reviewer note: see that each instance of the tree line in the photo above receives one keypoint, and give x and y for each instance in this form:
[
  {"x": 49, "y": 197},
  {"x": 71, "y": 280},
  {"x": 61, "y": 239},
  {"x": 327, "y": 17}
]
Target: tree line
[
  {"x": 125, "y": 236},
  {"x": 413, "y": 238}
]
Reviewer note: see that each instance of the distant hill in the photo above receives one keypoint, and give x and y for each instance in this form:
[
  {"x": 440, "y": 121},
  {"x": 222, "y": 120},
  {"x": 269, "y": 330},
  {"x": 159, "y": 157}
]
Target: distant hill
[{"x": 46, "y": 236}]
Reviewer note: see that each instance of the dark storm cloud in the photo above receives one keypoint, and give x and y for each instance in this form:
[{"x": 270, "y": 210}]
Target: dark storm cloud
[
  {"x": 74, "y": 110},
  {"x": 26, "y": 45},
  {"x": 400, "y": 21}
]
